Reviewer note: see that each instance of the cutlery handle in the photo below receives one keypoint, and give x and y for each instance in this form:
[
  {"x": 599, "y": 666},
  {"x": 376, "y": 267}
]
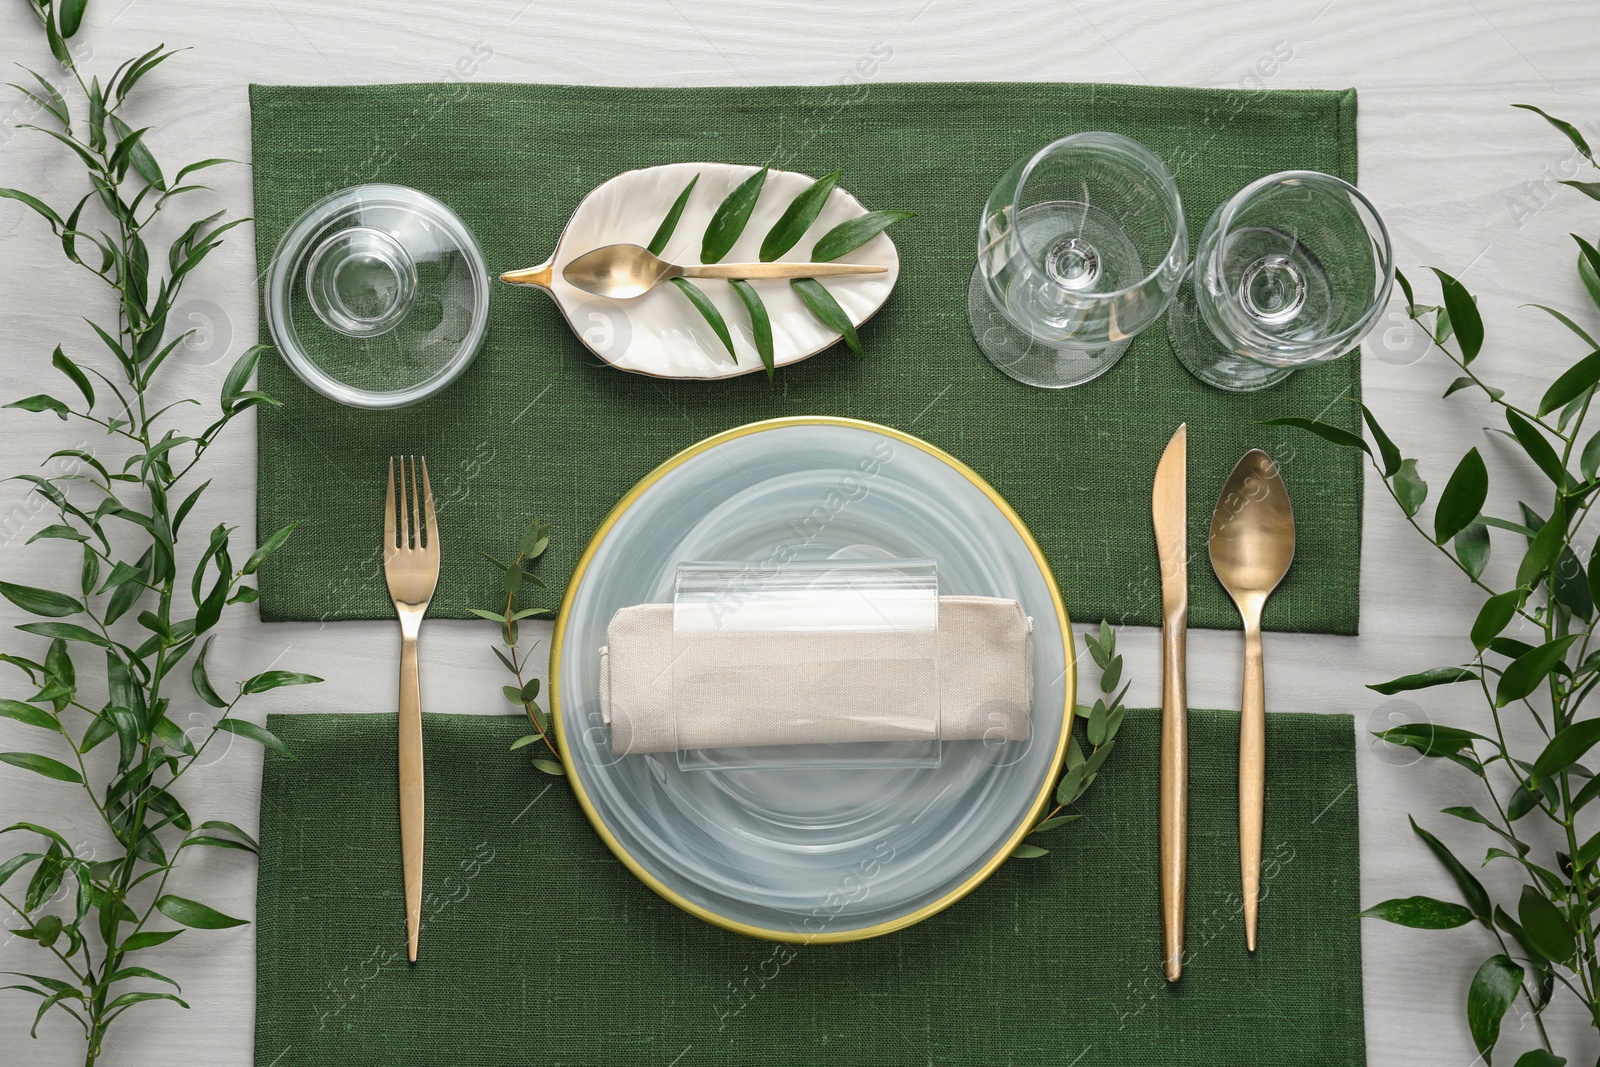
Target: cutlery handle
[
  {"x": 411, "y": 790},
  {"x": 1252, "y": 775},
  {"x": 778, "y": 270},
  {"x": 1174, "y": 789}
]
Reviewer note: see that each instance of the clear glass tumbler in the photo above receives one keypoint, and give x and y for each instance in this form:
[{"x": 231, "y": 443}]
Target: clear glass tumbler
[
  {"x": 1294, "y": 269},
  {"x": 1082, "y": 245}
]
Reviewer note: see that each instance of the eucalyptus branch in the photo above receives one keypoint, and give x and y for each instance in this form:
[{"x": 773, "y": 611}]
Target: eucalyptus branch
[{"x": 517, "y": 576}]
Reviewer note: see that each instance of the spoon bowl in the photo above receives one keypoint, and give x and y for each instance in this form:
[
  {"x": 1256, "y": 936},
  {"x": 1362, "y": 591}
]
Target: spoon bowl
[{"x": 1252, "y": 545}]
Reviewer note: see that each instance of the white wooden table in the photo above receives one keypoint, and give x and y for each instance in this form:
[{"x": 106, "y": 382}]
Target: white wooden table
[{"x": 1466, "y": 184}]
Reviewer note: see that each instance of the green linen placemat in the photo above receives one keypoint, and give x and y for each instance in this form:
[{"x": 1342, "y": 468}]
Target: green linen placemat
[
  {"x": 538, "y": 946},
  {"x": 539, "y": 425}
]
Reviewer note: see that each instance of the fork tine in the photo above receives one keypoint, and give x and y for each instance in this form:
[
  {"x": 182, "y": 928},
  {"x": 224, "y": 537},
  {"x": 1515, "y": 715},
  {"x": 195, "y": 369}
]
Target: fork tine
[
  {"x": 415, "y": 505},
  {"x": 388, "y": 513},
  {"x": 427, "y": 505}
]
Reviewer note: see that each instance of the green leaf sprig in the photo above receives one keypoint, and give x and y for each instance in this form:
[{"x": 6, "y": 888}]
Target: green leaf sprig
[
  {"x": 516, "y": 576},
  {"x": 1542, "y": 673},
  {"x": 1101, "y": 722},
  {"x": 120, "y": 632},
  {"x": 728, "y": 224}
]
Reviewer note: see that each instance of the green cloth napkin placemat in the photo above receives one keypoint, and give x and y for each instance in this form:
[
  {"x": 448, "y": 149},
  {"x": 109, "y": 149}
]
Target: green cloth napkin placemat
[
  {"x": 538, "y": 946},
  {"x": 540, "y": 425}
]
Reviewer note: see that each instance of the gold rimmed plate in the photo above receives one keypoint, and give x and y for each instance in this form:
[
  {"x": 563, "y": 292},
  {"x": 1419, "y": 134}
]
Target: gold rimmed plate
[{"x": 811, "y": 854}]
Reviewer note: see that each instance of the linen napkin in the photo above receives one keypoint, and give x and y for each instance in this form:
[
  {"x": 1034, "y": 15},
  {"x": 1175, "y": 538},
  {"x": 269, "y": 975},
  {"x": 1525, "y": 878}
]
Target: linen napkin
[{"x": 783, "y": 687}]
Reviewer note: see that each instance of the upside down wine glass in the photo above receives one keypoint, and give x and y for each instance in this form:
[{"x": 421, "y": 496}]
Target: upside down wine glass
[
  {"x": 1293, "y": 270},
  {"x": 1082, "y": 245}
]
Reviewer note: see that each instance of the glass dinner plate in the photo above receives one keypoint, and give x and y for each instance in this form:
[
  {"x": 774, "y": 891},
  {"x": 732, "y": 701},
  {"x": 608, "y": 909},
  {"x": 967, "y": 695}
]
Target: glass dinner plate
[{"x": 811, "y": 854}]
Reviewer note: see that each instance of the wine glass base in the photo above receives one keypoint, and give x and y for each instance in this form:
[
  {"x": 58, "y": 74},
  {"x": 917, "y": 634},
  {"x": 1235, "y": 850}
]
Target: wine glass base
[
  {"x": 1198, "y": 349},
  {"x": 1025, "y": 357}
]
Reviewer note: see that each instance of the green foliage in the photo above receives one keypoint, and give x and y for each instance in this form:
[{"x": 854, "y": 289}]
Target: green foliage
[
  {"x": 517, "y": 575},
  {"x": 727, "y": 225},
  {"x": 1533, "y": 658},
  {"x": 1101, "y": 720},
  {"x": 113, "y": 629}
]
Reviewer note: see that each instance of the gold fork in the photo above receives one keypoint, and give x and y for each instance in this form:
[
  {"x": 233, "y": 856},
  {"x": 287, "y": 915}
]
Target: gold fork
[{"x": 411, "y": 567}]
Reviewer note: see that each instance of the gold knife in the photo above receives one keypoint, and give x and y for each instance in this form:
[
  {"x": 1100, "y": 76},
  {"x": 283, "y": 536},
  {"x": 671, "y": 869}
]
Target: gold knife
[{"x": 1170, "y": 507}]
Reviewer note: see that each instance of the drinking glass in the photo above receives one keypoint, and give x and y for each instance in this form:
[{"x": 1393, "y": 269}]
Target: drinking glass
[
  {"x": 1293, "y": 270},
  {"x": 1082, "y": 245}
]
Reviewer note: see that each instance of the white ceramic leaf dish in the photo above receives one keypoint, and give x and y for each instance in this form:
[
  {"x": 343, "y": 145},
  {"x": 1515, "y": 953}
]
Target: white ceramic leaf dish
[{"x": 660, "y": 333}]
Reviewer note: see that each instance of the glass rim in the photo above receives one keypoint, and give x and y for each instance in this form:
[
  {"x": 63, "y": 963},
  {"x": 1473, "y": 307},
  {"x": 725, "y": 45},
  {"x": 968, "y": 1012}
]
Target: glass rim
[
  {"x": 1179, "y": 245},
  {"x": 293, "y": 248},
  {"x": 1223, "y": 223}
]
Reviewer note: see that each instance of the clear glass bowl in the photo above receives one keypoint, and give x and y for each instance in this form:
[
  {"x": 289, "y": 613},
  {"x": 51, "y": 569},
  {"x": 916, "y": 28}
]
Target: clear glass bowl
[{"x": 377, "y": 296}]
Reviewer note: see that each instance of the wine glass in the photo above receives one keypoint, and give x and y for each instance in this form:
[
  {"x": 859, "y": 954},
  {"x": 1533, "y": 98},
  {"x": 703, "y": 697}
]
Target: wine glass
[
  {"x": 1082, "y": 245},
  {"x": 1293, "y": 270}
]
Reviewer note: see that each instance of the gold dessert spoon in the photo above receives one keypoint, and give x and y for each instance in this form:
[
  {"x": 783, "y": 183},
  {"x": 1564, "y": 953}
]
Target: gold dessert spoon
[
  {"x": 624, "y": 271},
  {"x": 1252, "y": 544}
]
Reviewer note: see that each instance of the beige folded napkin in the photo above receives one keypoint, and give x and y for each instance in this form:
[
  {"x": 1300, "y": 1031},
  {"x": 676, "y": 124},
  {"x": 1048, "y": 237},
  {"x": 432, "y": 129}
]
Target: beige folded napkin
[{"x": 772, "y": 687}]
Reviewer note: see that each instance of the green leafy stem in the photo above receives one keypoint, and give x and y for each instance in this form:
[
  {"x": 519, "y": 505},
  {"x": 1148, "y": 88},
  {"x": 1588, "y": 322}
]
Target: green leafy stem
[
  {"x": 88, "y": 909},
  {"x": 1549, "y": 936},
  {"x": 728, "y": 224},
  {"x": 517, "y": 576}
]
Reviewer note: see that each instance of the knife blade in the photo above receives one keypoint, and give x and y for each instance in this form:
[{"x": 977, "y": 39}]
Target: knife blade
[{"x": 1170, "y": 510}]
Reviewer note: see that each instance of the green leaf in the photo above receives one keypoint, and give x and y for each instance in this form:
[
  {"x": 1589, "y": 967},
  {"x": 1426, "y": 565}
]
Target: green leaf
[
  {"x": 524, "y": 741},
  {"x": 44, "y": 765},
  {"x": 131, "y": 147},
  {"x": 41, "y": 402},
  {"x": 125, "y": 973},
  {"x": 128, "y": 999},
  {"x": 70, "y": 15},
  {"x": 36, "y": 204},
  {"x": 1538, "y": 448},
  {"x": 1589, "y": 267},
  {"x": 260, "y": 734},
  {"x": 535, "y": 539},
  {"x": 1566, "y": 321},
  {"x": 64, "y": 631},
  {"x": 550, "y": 767},
  {"x": 1420, "y": 913},
  {"x": 731, "y": 217},
  {"x": 61, "y": 363},
  {"x": 1430, "y": 739},
  {"x": 233, "y": 387},
  {"x": 490, "y": 616},
  {"x": 45, "y": 602},
  {"x": 1059, "y": 820},
  {"x": 1540, "y": 1058},
  {"x": 216, "y": 842},
  {"x": 148, "y": 939},
  {"x": 1472, "y": 889},
  {"x": 57, "y": 532},
  {"x": 1589, "y": 461},
  {"x": 1409, "y": 488},
  {"x": 274, "y": 679},
  {"x": 1424, "y": 680},
  {"x": 709, "y": 312},
  {"x": 27, "y": 713},
  {"x": 1327, "y": 431},
  {"x": 268, "y": 547},
  {"x": 760, "y": 322},
  {"x": 851, "y": 234},
  {"x": 1546, "y": 927},
  {"x": 1527, "y": 671},
  {"x": 1589, "y": 189},
  {"x": 1573, "y": 382},
  {"x": 1572, "y": 135},
  {"x": 1569, "y": 744},
  {"x": 1472, "y": 548},
  {"x": 1463, "y": 497},
  {"x": 202, "y": 681},
  {"x": 1493, "y": 989},
  {"x": 16, "y": 863},
  {"x": 797, "y": 218},
  {"x": 192, "y": 913},
  {"x": 1572, "y": 584},
  {"x": 1495, "y": 615},
  {"x": 663, "y": 232},
  {"x": 1388, "y": 453},
  {"x": 1544, "y": 548},
  {"x": 1464, "y": 318},
  {"x": 1029, "y": 852},
  {"x": 821, "y": 304}
]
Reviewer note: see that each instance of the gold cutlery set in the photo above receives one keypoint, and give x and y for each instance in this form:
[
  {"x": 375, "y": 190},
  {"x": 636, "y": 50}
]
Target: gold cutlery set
[{"x": 1251, "y": 546}]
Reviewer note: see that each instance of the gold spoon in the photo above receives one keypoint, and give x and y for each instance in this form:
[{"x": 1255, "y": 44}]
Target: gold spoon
[
  {"x": 622, "y": 272},
  {"x": 1252, "y": 544}
]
